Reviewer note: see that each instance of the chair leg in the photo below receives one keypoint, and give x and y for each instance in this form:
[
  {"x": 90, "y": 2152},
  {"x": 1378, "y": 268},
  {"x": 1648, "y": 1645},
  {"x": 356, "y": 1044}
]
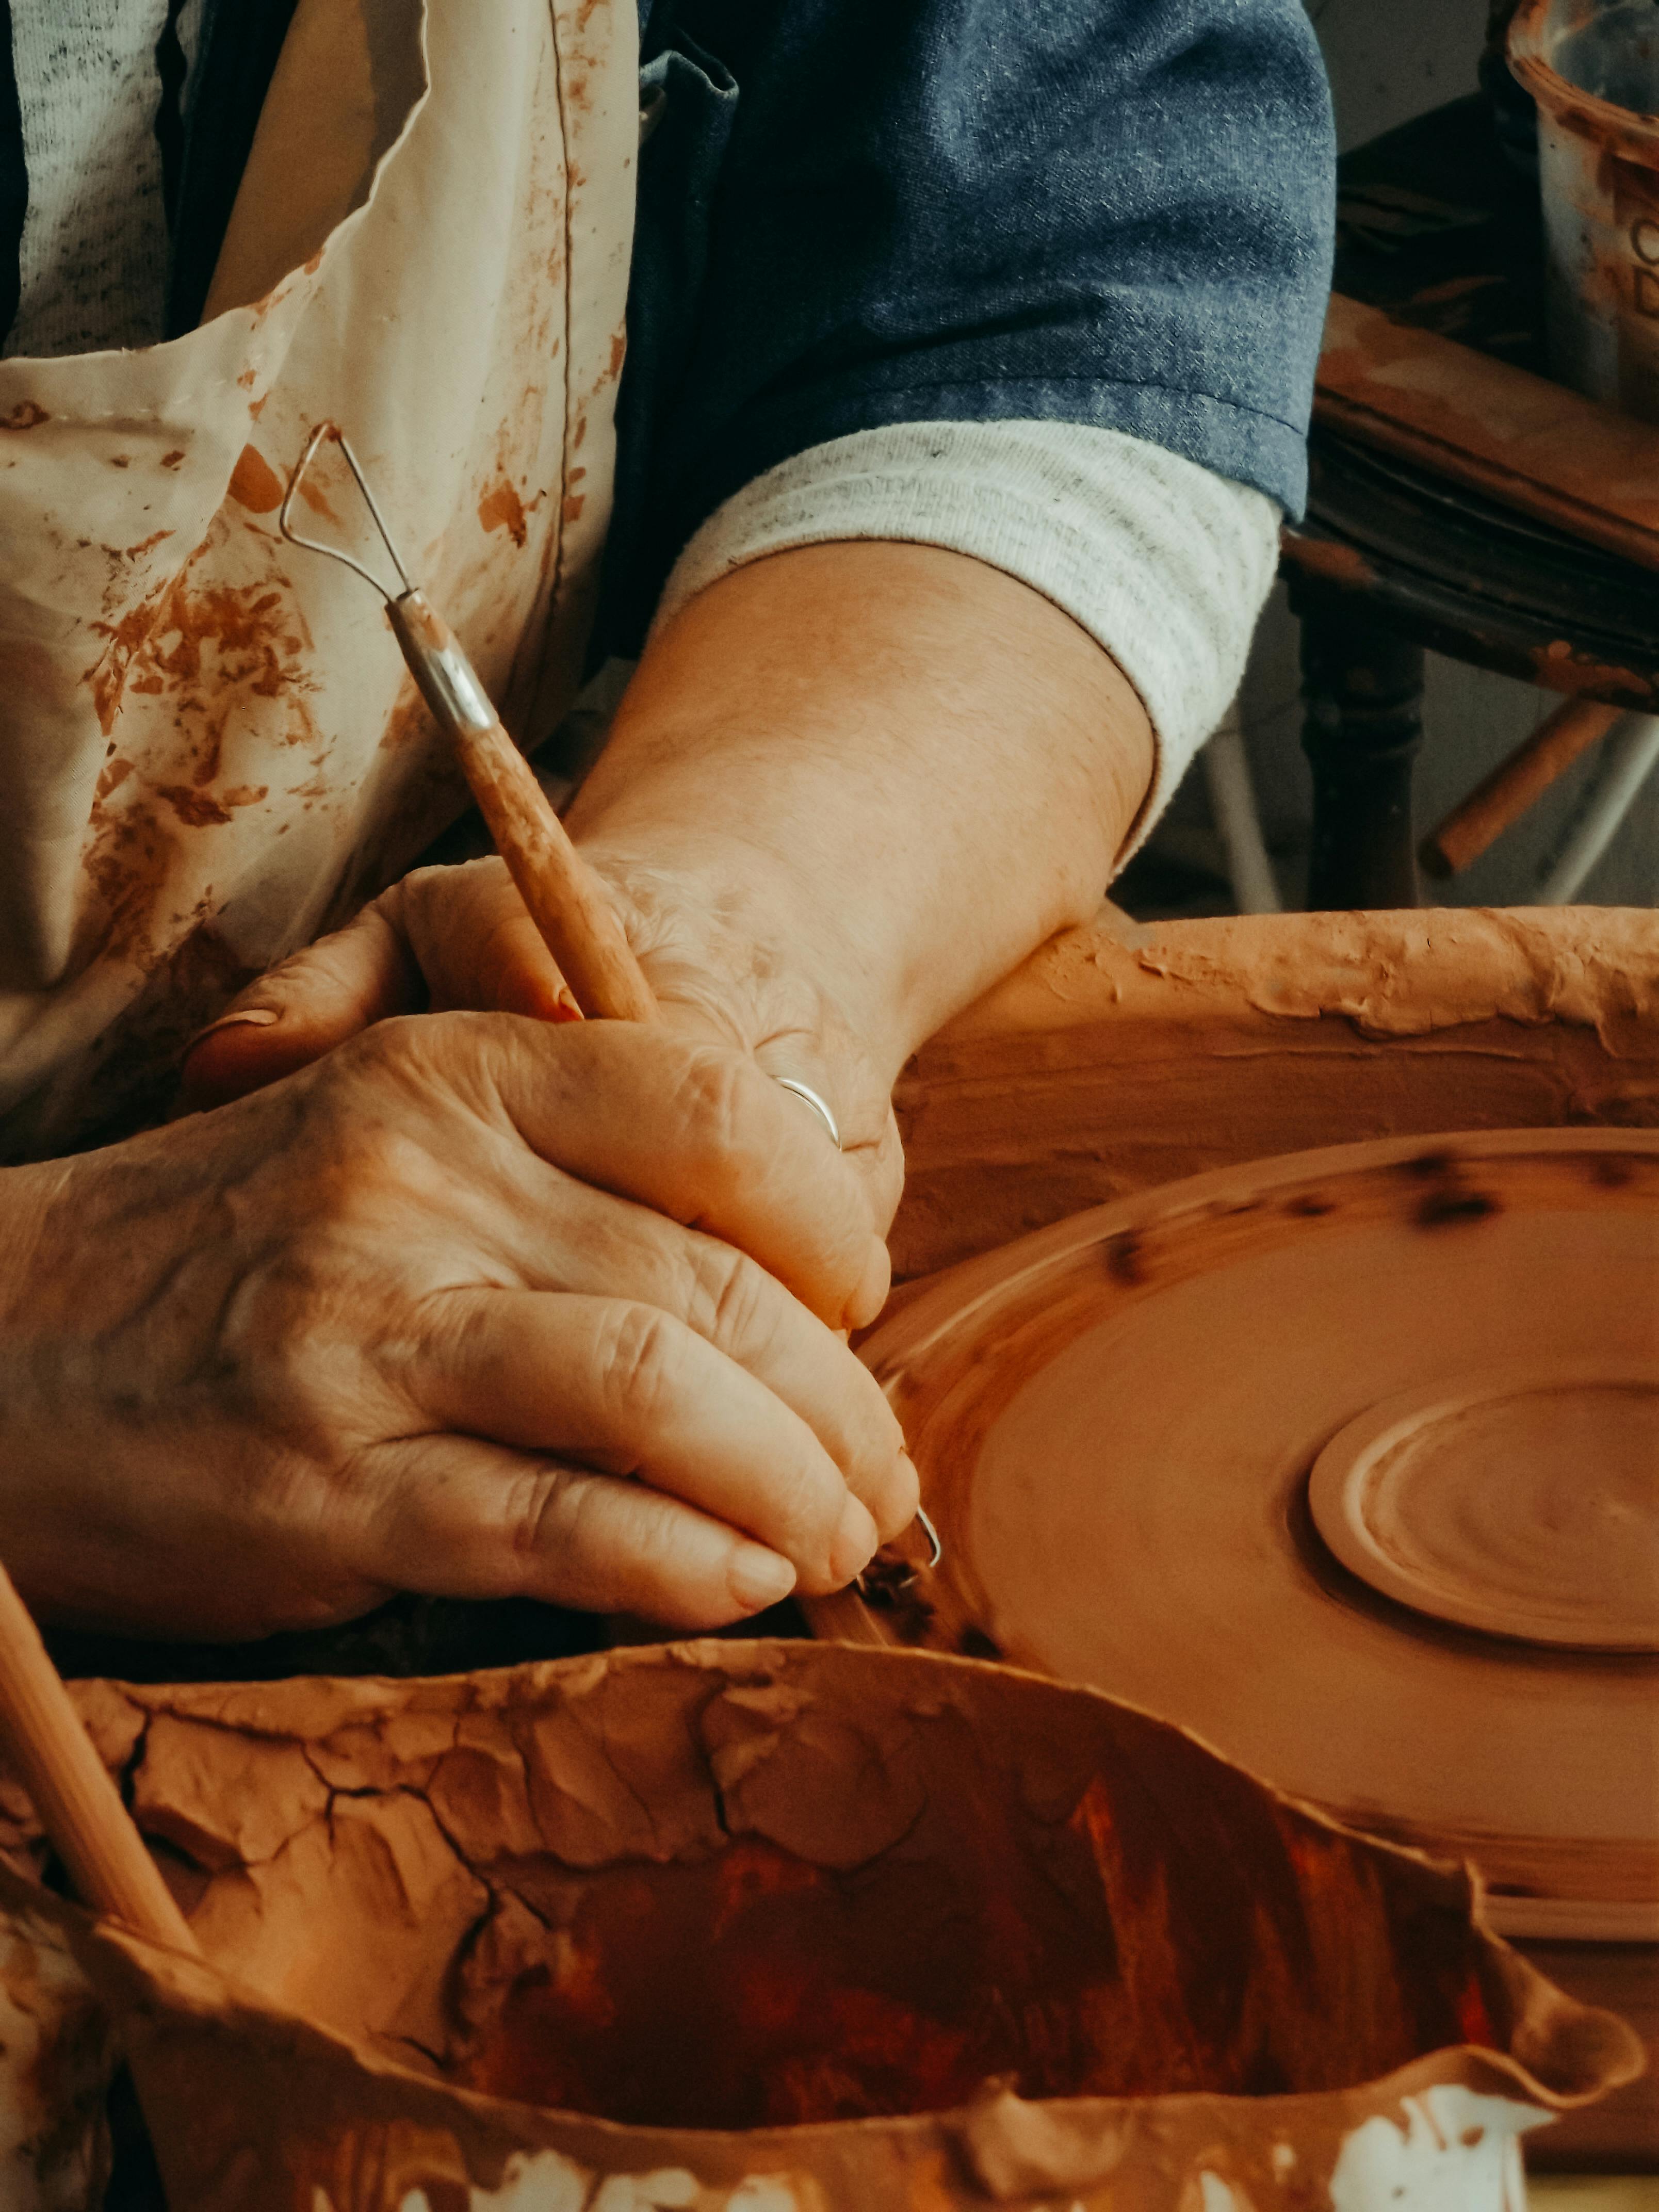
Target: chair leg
[{"x": 1362, "y": 687}]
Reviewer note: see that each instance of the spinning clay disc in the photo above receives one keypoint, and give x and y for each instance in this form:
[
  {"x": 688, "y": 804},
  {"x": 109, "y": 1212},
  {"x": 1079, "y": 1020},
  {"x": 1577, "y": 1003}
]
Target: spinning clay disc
[
  {"x": 1348, "y": 1461},
  {"x": 1521, "y": 1502}
]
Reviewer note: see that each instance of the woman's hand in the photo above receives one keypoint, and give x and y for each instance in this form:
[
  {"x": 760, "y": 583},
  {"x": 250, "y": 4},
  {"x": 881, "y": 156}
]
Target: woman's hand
[
  {"x": 412, "y": 1317},
  {"x": 460, "y": 938}
]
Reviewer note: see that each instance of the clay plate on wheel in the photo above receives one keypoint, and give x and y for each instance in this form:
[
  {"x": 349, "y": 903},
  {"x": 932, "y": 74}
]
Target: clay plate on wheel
[{"x": 1346, "y": 1460}]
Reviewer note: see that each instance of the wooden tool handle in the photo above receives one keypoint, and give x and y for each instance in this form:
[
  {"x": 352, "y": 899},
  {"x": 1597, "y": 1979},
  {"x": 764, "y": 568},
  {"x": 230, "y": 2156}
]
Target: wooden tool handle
[
  {"x": 568, "y": 902},
  {"x": 1514, "y": 785},
  {"x": 79, "y": 1806}
]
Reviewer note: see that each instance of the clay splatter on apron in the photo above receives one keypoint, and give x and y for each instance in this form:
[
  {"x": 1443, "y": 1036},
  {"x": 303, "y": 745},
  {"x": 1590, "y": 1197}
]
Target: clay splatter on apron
[{"x": 209, "y": 749}]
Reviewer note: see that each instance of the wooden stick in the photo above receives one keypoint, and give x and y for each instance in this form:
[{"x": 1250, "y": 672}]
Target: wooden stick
[
  {"x": 568, "y": 902},
  {"x": 79, "y": 1806},
  {"x": 1515, "y": 784}
]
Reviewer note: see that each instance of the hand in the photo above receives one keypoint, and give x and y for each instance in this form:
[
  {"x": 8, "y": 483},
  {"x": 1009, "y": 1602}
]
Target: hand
[
  {"x": 459, "y": 937},
  {"x": 411, "y": 1317}
]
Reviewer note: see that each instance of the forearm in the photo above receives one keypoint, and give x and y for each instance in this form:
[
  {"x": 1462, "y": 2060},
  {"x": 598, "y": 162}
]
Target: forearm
[{"x": 901, "y": 768}]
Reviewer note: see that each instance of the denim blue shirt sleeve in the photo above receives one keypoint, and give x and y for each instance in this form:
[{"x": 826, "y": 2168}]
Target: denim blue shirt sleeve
[{"x": 860, "y": 212}]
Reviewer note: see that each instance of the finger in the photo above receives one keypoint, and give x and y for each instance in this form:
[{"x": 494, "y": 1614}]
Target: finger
[
  {"x": 697, "y": 1132},
  {"x": 629, "y": 1387},
  {"x": 472, "y": 938},
  {"x": 443, "y": 938},
  {"x": 455, "y": 1517},
  {"x": 301, "y": 1009},
  {"x": 611, "y": 1250}
]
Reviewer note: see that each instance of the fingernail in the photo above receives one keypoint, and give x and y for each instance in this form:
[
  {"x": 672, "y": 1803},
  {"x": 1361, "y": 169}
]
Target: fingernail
[
  {"x": 870, "y": 1296},
  {"x": 251, "y": 1017},
  {"x": 759, "y": 1578},
  {"x": 856, "y": 1539}
]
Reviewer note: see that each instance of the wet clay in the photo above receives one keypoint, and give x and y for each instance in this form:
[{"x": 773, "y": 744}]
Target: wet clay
[
  {"x": 1522, "y": 1501},
  {"x": 1120, "y": 1056},
  {"x": 730, "y": 1898},
  {"x": 1118, "y": 1423}
]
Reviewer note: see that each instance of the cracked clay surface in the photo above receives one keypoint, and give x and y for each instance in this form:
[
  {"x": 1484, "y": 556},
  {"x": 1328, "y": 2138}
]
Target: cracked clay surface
[{"x": 689, "y": 1911}]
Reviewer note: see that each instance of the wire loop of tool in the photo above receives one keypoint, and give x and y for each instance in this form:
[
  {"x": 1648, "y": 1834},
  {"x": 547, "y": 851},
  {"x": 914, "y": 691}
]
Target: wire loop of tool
[
  {"x": 886, "y": 1575},
  {"x": 327, "y": 434}
]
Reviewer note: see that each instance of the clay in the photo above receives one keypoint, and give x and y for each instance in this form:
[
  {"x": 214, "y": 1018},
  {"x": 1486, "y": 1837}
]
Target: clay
[
  {"x": 1120, "y": 1057},
  {"x": 1523, "y": 1501},
  {"x": 1116, "y": 1421},
  {"x": 56, "y": 2056},
  {"x": 786, "y": 1928},
  {"x": 1108, "y": 1521}
]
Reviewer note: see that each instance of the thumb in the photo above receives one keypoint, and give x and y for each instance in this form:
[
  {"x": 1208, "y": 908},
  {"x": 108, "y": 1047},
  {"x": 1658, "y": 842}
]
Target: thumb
[
  {"x": 442, "y": 938},
  {"x": 306, "y": 1005}
]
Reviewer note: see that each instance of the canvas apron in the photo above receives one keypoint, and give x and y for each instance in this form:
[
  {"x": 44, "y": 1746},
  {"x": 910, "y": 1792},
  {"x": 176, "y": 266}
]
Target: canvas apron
[{"x": 209, "y": 748}]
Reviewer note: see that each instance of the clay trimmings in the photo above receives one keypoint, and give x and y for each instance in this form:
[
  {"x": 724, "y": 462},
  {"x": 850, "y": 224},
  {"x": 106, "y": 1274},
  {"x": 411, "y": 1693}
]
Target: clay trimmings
[{"x": 738, "y": 1886}]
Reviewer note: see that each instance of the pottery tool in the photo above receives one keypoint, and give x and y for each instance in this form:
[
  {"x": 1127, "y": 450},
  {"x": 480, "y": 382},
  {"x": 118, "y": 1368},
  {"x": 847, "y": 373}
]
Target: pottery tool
[
  {"x": 567, "y": 902},
  {"x": 79, "y": 1806}
]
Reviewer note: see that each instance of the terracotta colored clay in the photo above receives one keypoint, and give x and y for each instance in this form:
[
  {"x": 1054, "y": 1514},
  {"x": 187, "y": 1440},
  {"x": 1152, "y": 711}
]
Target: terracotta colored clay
[
  {"x": 786, "y": 1928},
  {"x": 56, "y": 2056},
  {"x": 1116, "y": 1421},
  {"x": 1520, "y": 1500},
  {"x": 1120, "y": 1056}
]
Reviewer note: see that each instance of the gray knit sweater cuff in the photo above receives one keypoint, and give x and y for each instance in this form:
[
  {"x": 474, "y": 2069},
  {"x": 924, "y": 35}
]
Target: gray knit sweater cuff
[{"x": 1166, "y": 564}]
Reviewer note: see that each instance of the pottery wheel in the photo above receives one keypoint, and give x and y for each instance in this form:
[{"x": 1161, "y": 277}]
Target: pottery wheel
[
  {"x": 1349, "y": 1462},
  {"x": 1524, "y": 1502}
]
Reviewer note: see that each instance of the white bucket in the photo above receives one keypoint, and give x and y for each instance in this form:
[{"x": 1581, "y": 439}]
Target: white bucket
[{"x": 1593, "y": 67}]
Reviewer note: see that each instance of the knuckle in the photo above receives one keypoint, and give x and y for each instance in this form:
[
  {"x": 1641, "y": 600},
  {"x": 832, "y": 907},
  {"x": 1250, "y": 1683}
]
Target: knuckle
[
  {"x": 713, "y": 1098},
  {"x": 543, "y": 1513},
  {"x": 733, "y": 1301},
  {"x": 277, "y": 1353},
  {"x": 565, "y": 1522},
  {"x": 805, "y": 1514},
  {"x": 642, "y": 1362}
]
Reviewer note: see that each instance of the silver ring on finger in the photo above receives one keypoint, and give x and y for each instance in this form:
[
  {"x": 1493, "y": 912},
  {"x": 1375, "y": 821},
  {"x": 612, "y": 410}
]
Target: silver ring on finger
[{"x": 804, "y": 1090}]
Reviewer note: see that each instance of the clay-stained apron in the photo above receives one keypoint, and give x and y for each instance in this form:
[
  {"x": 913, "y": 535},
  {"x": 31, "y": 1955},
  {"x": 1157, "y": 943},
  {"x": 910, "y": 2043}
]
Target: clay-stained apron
[{"x": 209, "y": 746}]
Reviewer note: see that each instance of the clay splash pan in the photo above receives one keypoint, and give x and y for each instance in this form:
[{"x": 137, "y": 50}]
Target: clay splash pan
[
  {"x": 1349, "y": 1461},
  {"x": 792, "y": 1928}
]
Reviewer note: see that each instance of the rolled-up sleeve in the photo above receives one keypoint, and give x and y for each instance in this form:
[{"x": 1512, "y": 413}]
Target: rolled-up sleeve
[{"x": 869, "y": 212}]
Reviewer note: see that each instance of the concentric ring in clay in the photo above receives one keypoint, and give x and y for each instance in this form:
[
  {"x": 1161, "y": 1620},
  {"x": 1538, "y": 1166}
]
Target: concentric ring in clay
[
  {"x": 1116, "y": 1421},
  {"x": 1521, "y": 1501}
]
